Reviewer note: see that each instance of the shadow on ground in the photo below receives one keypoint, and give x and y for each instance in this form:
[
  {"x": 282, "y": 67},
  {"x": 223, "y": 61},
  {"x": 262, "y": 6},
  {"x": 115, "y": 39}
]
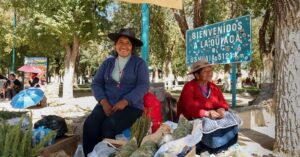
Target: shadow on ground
[{"x": 265, "y": 141}]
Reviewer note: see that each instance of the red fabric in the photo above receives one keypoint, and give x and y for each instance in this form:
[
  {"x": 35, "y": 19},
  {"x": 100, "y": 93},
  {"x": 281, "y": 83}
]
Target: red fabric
[
  {"x": 193, "y": 104},
  {"x": 153, "y": 109}
]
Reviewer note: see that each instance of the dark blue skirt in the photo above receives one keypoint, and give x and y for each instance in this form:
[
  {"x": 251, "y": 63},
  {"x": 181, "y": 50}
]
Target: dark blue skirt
[{"x": 218, "y": 140}]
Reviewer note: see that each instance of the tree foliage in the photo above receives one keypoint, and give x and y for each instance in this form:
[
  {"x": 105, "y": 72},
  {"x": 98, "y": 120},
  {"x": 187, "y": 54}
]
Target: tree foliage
[
  {"x": 62, "y": 18},
  {"x": 51, "y": 26},
  {"x": 45, "y": 26}
]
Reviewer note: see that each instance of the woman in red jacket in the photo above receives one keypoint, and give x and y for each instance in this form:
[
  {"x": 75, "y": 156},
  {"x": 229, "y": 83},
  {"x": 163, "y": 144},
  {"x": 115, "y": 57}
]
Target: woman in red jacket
[{"x": 200, "y": 98}]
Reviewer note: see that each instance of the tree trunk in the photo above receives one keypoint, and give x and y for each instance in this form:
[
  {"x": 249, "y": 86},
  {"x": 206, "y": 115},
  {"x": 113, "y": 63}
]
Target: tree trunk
[
  {"x": 168, "y": 75},
  {"x": 287, "y": 74},
  {"x": 156, "y": 75},
  {"x": 267, "y": 79},
  {"x": 181, "y": 20},
  {"x": 88, "y": 75},
  {"x": 77, "y": 72},
  {"x": 56, "y": 79},
  {"x": 81, "y": 80},
  {"x": 227, "y": 82},
  {"x": 175, "y": 80},
  {"x": 233, "y": 8},
  {"x": 72, "y": 51},
  {"x": 226, "y": 68},
  {"x": 197, "y": 20},
  {"x": 268, "y": 68},
  {"x": 266, "y": 52},
  {"x": 198, "y": 12},
  {"x": 75, "y": 80},
  {"x": 56, "y": 75}
]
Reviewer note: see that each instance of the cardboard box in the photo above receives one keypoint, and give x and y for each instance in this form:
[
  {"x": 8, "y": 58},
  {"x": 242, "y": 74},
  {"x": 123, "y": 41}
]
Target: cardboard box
[
  {"x": 67, "y": 144},
  {"x": 119, "y": 143}
]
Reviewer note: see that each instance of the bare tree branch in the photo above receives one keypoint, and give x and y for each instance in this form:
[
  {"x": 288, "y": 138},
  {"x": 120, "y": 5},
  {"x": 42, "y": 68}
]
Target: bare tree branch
[
  {"x": 198, "y": 13},
  {"x": 181, "y": 20},
  {"x": 262, "y": 32}
]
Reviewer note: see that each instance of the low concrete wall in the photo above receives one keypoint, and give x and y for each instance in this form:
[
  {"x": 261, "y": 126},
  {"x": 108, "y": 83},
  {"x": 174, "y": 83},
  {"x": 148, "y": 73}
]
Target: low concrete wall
[{"x": 254, "y": 116}]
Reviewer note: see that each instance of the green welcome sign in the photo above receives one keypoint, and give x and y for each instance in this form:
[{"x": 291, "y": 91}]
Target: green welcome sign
[{"x": 220, "y": 43}]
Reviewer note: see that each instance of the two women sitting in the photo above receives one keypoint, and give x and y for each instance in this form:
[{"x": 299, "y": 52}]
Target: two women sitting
[{"x": 121, "y": 83}]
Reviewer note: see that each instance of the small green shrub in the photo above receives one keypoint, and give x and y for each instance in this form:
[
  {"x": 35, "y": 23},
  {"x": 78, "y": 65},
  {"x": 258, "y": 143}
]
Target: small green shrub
[
  {"x": 16, "y": 142},
  {"x": 140, "y": 128}
]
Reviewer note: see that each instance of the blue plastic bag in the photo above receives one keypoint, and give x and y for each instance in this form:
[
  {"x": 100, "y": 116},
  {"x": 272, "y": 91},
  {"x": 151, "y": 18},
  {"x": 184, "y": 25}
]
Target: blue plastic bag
[
  {"x": 39, "y": 133},
  {"x": 125, "y": 135}
]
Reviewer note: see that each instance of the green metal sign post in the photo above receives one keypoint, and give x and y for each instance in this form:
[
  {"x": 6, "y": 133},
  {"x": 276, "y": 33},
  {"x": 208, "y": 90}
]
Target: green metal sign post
[
  {"x": 14, "y": 44},
  {"x": 233, "y": 88},
  {"x": 221, "y": 43},
  {"x": 145, "y": 31}
]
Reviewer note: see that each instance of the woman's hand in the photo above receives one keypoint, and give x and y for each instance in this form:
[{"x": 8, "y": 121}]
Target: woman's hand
[
  {"x": 106, "y": 107},
  {"x": 120, "y": 105},
  {"x": 213, "y": 114},
  {"x": 221, "y": 112}
]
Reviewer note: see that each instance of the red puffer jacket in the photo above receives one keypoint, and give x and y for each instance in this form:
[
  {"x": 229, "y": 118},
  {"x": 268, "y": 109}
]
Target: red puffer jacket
[
  {"x": 153, "y": 109},
  {"x": 193, "y": 104}
]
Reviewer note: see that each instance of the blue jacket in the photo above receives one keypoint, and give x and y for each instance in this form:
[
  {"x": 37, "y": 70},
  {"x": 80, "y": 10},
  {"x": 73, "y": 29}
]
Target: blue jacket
[{"x": 134, "y": 82}]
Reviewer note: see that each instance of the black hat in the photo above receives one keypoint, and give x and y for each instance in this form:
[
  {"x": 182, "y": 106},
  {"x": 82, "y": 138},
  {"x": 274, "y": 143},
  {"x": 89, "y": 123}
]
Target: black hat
[{"x": 127, "y": 32}]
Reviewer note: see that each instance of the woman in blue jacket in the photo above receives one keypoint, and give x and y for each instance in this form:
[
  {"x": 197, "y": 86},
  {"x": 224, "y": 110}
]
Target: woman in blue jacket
[{"x": 119, "y": 87}]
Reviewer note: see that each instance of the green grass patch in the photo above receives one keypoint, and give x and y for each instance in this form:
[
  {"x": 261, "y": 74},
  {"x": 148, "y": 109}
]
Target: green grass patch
[
  {"x": 251, "y": 90},
  {"x": 10, "y": 114},
  {"x": 81, "y": 91}
]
